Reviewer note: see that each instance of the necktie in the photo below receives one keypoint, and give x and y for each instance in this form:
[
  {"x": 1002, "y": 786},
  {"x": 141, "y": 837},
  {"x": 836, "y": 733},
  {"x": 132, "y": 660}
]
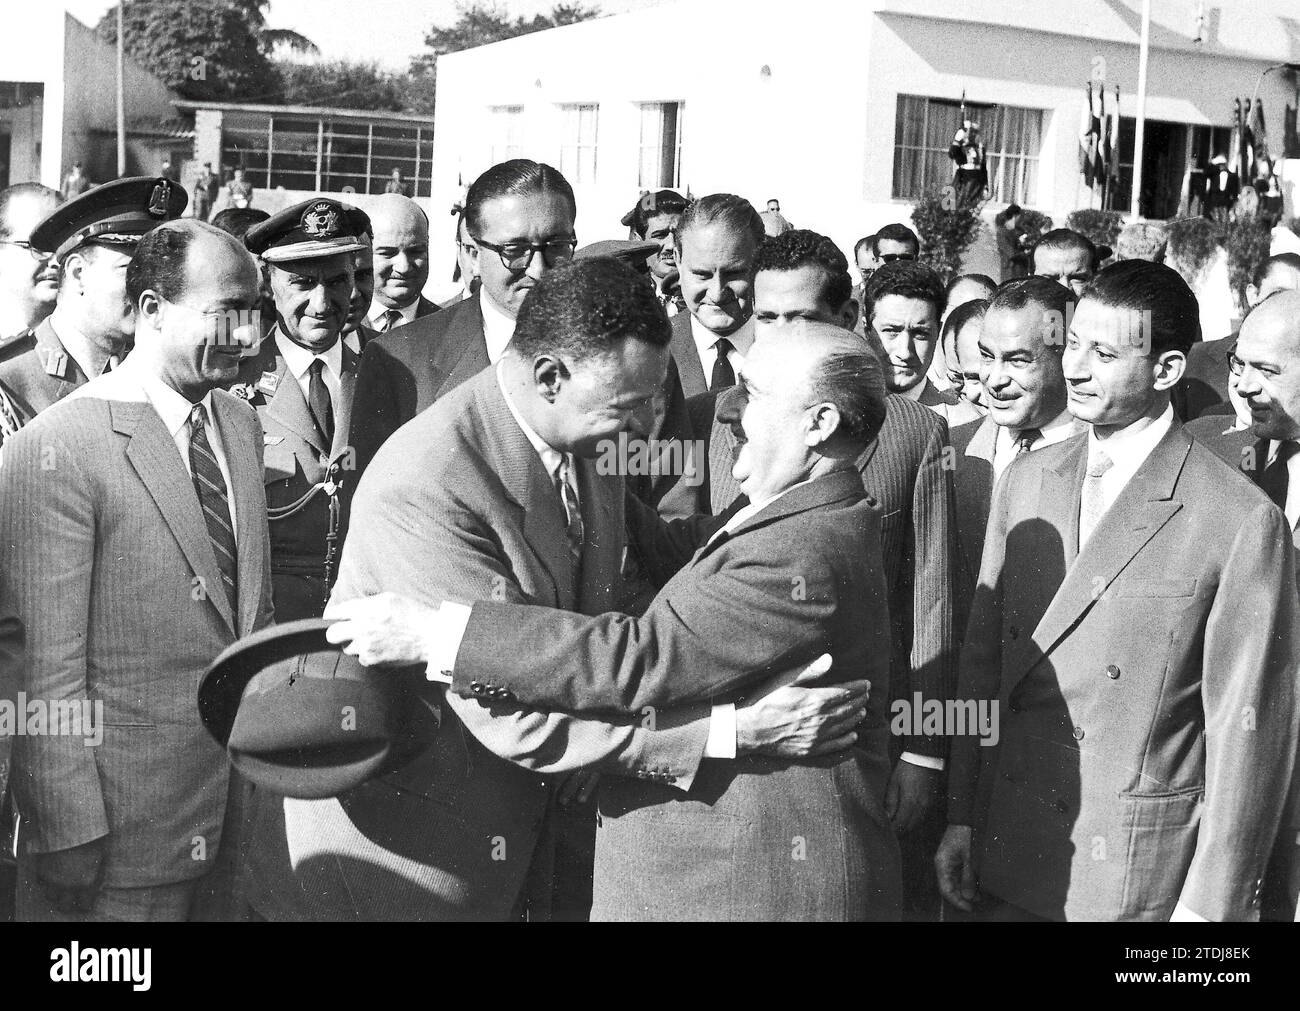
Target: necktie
[
  {"x": 1026, "y": 439},
  {"x": 1092, "y": 504},
  {"x": 110, "y": 363},
  {"x": 318, "y": 399},
  {"x": 1276, "y": 477},
  {"x": 723, "y": 374},
  {"x": 211, "y": 488},
  {"x": 391, "y": 318},
  {"x": 572, "y": 511}
]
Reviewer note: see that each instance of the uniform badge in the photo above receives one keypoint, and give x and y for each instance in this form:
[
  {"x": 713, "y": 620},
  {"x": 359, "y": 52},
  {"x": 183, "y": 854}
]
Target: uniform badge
[
  {"x": 244, "y": 391},
  {"x": 321, "y": 220},
  {"x": 160, "y": 198},
  {"x": 268, "y": 383}
]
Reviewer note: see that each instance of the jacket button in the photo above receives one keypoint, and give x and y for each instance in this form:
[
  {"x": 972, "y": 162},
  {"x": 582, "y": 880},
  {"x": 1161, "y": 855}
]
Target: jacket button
[
  {"x": 1112, "y": 672},
  {"x": 476, "y": 687},
  {"x": 1078, "y": 733},
  {"x": 1013, "y": 631}
]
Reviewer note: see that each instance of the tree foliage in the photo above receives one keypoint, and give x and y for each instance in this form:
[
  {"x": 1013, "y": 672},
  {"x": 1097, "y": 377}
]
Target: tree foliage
[
  {"x": 345, "y": 84},
  {"x": 947, "y": 221}
]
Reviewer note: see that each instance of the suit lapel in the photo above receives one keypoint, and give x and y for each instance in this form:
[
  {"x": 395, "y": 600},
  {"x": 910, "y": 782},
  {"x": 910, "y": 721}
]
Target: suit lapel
[
  {"x": 687, "y": 356},
  {"x": 289, "y": 407},
  {"x": 723, "y": 488},
  {"x": 250, "y": 508},
  {"x": 343, "y": 409},
  {"x": 462, "y": 353},
  {"x": 153, "y": 455}
]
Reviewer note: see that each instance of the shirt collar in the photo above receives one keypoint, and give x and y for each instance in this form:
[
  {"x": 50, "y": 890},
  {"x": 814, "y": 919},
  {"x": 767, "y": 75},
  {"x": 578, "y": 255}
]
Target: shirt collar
[
  {"x": 171, "y": 406},
  {"x": 742, "y": 338},
  {"x": 498, "y": 327},
  {"x": 551, "y": 458},
  {"x": 917, "y": 391},
  {"x": 754, "y": 508},
  {"x": 299, "y": 359},
  {"x": 1130, "y": 446},
  {"x": 74, "y": 342},
  {"x": 378, "y": 309}
]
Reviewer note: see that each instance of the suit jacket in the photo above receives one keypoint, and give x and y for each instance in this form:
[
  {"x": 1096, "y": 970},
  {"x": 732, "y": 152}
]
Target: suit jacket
[
  {"x": 459, "y": 505},
  {"x": 948, "y": 405},
  {"x": 905, "y": 477},
  {"x": 1204, "y": 385},
  {"x": 687, "y": 356},
  {"x": 106, "y": 560},
  {"x": 296, "y": 464},
  {"x": 41, "y": 375},
  {"x": 800, "y": 577},
  {"x": 406, "y": 370},
  {"x": 1146, "y": 743}
]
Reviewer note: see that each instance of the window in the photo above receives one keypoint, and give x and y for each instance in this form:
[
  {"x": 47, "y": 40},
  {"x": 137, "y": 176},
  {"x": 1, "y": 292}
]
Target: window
[
  {"x": 578, "y": 148},
  {"x": 924, "y": 129},
  {"x": 661, "y": 146},
  {"x": 506, "y": 133}
]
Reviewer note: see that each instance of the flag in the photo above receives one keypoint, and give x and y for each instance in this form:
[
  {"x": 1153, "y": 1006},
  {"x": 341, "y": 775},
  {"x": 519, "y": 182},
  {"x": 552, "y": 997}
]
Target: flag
[
  {"x": 1088, "y": 128},
  {"x": 1099, "y": 167},
  {"x": 1247, "y": 162},
  {"x": 1261, "y": 161},
  {"x": 1234, "y": 139},
  {"x": 1112, "y": 138}
]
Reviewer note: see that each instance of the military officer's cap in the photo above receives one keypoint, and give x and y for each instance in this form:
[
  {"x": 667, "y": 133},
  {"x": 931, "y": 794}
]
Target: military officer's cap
[
  {"x": 114, "y": 214},
  {"x": 307, "y": 231},
  {"x": 628, "y": 250}
]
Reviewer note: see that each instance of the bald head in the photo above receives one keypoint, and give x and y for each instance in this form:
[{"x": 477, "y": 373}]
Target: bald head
[
  {"x": 401, "y": 250},
  {"x": 1269, "y": 383}
]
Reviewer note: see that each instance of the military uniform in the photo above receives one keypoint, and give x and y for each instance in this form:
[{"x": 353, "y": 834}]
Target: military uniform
[
  {"x": 304, "y": 478},
  {"x": 38, "y": 377}
]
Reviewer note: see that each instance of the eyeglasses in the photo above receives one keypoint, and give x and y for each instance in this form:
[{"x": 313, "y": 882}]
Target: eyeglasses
[
  {"x": 891, "y": 257},
  {"x": 518, "y": 255},
  {"x": 39, "y": 255},
  {"x": 1235, "y": 365}
]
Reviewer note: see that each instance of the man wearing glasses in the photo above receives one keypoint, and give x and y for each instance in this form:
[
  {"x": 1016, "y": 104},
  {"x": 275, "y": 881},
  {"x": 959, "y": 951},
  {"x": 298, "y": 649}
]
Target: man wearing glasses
[
  {"x": 91, "y": 239},
  {"x": 29, "y": 280},
  {"x": 519, "y": 216}
]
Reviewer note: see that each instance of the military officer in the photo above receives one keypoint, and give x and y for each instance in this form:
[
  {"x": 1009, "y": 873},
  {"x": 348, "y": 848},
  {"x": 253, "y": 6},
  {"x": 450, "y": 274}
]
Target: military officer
[
  {"x": 91, "y": 237},
  {"x": 301, "y": 382}
]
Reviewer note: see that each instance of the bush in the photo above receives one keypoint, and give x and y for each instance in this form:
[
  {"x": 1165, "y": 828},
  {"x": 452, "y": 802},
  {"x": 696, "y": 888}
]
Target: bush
[
  {"x": 1193, "y": 243},
  {"x": 1247, "y": 240},
  {"x": 1102, "y": 227},
  {"x": 947, "y": 223},
  {"x": 1034, "y": 224}
]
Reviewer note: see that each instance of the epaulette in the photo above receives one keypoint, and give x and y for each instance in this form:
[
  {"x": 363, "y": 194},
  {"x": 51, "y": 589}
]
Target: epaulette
[{"x": 20, "y": 343}]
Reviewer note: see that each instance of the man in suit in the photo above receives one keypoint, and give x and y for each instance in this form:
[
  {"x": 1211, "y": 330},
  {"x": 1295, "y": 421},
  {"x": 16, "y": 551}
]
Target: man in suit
[
  {"x": 29, "y": 277},
  {"x": 91, "y": 238},
  {"x": 1067, "y": 257},
  {"x": 356, "y": 334},
  {"x": 1204, "y": 389},
  {"x": 723, "y": 616},
  {"x": 401, "y": 262},
  {"x": 960, "y": 346},
  {"x": 903, "y": 301},
  {"x": 1221, "y": 189},
  {"x": 301, "y": 381},
  {"x": 464, "y": 500},
  {"x": 520, "y": 215},
  {"x": 655, "y": 219},
  {"x": 717, "y": 237},
  {"x": 138, "y": 497},
  {"x": 1146, "y": 745},
  {"x": 1020, "y": 345}
]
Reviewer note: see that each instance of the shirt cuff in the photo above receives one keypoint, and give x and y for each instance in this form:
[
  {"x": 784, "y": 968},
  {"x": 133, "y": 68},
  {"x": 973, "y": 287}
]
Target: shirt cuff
[
  {"x": 924, "y": 761},
  {"x": 1182, "y": 914},
  {"x": 446, "y": 631},
  {"x": 722, "y": 733}
]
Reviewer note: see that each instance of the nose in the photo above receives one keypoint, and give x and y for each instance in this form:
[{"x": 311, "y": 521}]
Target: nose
[
  {"x": 717, "y": 290},
  {"x": 731, "y": 405},
  {"x": 1248, "y": 383},
  {"x": 642, "y": 422},
  {"x": 318, "y": 304},
  {"x": 997, "y": 378},
  {"x": 1074, "y": 366},
  {"x": 536, "y": 266}
]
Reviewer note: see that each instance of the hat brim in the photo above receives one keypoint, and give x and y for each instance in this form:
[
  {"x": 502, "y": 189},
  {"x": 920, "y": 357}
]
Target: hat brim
[{"x": 314, "y": 250}]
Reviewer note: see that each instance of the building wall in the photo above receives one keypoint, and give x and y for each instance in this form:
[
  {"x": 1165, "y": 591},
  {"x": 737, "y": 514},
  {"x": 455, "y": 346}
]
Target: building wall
[{"x": 24, "y": 129}]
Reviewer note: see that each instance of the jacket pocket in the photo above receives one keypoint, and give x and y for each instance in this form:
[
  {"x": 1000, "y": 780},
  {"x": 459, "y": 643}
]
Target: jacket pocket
[
  {"x": 1161, "y": 830},
  {"x": 1156, "y": 588}
]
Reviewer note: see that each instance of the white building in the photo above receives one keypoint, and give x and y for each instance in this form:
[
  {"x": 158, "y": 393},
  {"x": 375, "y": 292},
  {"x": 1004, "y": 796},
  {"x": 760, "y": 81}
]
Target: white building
[{"x": 844, "y": 109}]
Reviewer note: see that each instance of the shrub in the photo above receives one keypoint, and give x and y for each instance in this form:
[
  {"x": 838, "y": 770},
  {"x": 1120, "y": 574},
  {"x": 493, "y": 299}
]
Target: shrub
[
  {"x": 1034, "y": 224},
  {"x": 1247, "y": 241},
  {"x": 1102, "y": 227},
  {"x": 947, "y": 223}
]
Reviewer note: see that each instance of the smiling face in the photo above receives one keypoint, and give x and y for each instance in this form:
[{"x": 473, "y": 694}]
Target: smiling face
[
  {"x": 1269, "y": 344},
  {"x": 660, "y": 228},
  {"x": 716, "y": 263},
  {"x": 530, "y": 217},
  {"x": 908, "y": 329},
  {"x": 1021, "y": 372},
  {"x": 966, "y": 358},
  {"x": 29, "y": 282},
  {"x": 312, "y": 299},
  {"x": 401, "y": 251}
]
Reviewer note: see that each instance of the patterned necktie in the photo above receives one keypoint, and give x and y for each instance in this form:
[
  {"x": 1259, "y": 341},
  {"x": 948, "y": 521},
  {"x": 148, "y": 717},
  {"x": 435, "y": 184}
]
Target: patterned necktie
[
  {"x": 572, "y": 511},
  {"x": 211, "y": 487},
  {"x": 1026, "y": 439},
  {"x": 1092, "y": 503},
  {"x": 318, "y": 399},
  {"x": 723, "y": 374},
  {"x": 391, "y": 318},
  {"x": 1276, "y": 477}
]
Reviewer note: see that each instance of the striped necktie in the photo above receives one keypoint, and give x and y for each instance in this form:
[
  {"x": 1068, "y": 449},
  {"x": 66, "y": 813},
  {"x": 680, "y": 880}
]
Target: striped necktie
[
  {"x": 392, "y": 317},
  {"x": 572, "y": 511},
  {"x": 1092, "y": 503},
  {"x": 211, "y": 488}
]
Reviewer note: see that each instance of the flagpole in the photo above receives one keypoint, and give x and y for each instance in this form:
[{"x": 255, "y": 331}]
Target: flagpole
[
  {"x": 121, "y": 96},
  {"x": 1139, "y": 137}
]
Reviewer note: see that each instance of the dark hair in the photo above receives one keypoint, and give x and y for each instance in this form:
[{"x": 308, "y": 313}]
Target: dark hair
[
  {"x": 1051, "y": 296},
  {"x": 16, "y": 192},
  {"x": 159, "y": 264},
  {"x": 581, "y": 308},
  {"x": 1266, "y": 266},
  {"x": 866, "y": 240},
  {"x": 238, "y": 220},
  {"x": 965, "y": 313},
  {"x": 1065, "y": 238},
  {"x": 801, "y": 247},
  {"x": 517, "y": 177},
  {"x": 1007, "y": 213},
  {"x": 653, "y": 204},
  {"x": 983, "y": 280},
  {"x": 895, "y": 233},
  {"x": 902, "y": 277},
  {"x": 854, "y": 381},
  {"x": 722, "y": 208},
  {"x": 1143, "y": 286}
]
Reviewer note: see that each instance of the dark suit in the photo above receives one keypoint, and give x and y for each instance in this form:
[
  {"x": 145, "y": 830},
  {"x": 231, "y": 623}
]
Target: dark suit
[
  {"x": 1204, "y": 385},
  {"x": 40, "y": 375},
  {"x": 799, "y": 577},
  {"x": 458, "y": 504},
  {"x": 406, "y": 370},
  {"x": 1146, "y": 743},
  {"x": 297, "y": 467},
  {"x": 687, "y": 356}
]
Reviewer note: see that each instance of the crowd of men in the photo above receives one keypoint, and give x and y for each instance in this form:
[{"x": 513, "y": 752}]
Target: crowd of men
[{"x": 964, "y": 600}]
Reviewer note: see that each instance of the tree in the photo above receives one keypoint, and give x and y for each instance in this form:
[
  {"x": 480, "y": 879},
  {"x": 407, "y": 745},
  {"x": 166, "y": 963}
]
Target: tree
[
  {"x": 947, "y": 221},
  {"x": 205, "y": 49},
  {"x": 479, "y": 23},
  {"x": 341, "y": 83}
]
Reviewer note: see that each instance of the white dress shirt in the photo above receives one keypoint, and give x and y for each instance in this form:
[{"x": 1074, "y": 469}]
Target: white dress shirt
[
  {"x": 298, "y": 360},
  {"x": 498, "y": 328},
  {"x": 742, "y": 339},
  {"x": 1004, "y": 444},
  {"x": 375, "y": 317},
  {"x": 1128, "y": 449},
  {"x": 1292, "y": 509}
]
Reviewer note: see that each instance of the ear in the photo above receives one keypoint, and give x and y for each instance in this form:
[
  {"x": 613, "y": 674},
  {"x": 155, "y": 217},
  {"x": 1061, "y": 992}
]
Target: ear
[
  {"x": 1169, "y": 368},
  {"x": 848, "y": 314},
  {"x": 149, "y": 308},
  {"x": 1252, "y": 295},
  {"x": 549, "y": 374},
  {"x": 74, "y": 267},
  {"x": 823, "y": 421}
]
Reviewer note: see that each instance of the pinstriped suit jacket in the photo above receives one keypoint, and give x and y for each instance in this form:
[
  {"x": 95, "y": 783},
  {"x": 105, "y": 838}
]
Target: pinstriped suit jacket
[{"x": 106, "y": 560}]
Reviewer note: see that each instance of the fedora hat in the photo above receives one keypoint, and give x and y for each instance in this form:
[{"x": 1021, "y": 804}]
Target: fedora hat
[{"x": 302, "y": 718}]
